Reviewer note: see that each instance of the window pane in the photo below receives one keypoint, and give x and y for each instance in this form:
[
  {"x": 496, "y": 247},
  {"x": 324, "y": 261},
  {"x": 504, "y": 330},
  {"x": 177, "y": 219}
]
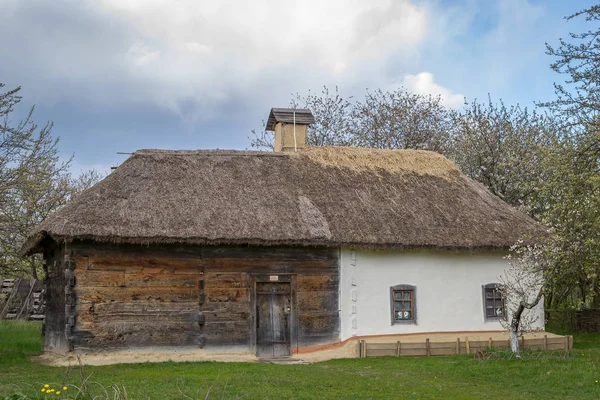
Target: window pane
[
  {"x": 398, "y": 295},
  {"x": 398, "y": 305},
  {"x": 407, "y": 295},
  {"x": 407, "y": 314},
  {"x": 488, "y": 294}
]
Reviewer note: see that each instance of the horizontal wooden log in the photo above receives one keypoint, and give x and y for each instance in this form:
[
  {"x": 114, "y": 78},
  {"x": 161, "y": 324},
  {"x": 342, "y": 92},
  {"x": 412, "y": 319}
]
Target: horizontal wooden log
[
  {"x": 226, "y": 280},
  {"x": 413, "y": 352},
  {"x": 442, "y": 345},
  {"x": 412, "y": 346},
  {"x": 231, "y": 332},
  {"x": 155, "y": 317},
  {"x": 270, "y": 253},
  {"x": 139, "y": 264},
  {"x": 318, "y": 324},
  {"x": 382, "y": 346},
  {"x": 227, "y": 316},
  {"x": 225, "y": 307},
  {"x": 447, "y": 351},
  {"x": 272, "y": 267},
  {"x": 309, "y": 283},
  {"x": 500, "y": 344},
  {"x": 119, "y": 278},
  {"x": 105, "y": 294},
  {"x": 320, "y": 301},
  {"x": 379, "y": 352},
  {"x": 227, "y": 295},
  {"x": 122, "y": 333}
]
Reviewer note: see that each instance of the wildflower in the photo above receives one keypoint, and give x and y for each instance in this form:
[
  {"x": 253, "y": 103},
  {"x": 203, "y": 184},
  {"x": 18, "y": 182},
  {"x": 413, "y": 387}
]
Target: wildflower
[
  {"x": 596, "y": 380},
  {"x": 65, "y": 388},
  {"x": 46, "y": 386},
  {"x": 57, "y": 393},
  {"x": 43, "y": 390}
]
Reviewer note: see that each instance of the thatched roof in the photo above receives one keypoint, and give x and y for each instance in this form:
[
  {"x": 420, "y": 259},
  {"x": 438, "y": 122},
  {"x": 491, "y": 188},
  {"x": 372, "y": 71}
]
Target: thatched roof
[{"x": 330, "y": 196}]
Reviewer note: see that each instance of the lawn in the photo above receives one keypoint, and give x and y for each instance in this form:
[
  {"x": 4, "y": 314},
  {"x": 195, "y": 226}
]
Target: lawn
[{"x": 454, "y": 377}]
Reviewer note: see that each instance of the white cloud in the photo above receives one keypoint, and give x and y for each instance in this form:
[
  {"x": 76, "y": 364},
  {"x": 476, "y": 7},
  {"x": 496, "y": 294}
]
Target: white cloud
[
  {"x": 423, "y": 83},
  {"x": 209, "y": 52}
]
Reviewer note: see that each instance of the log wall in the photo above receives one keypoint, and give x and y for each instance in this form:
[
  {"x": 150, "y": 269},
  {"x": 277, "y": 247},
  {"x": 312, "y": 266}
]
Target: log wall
[{"x": 128, "y": 296}]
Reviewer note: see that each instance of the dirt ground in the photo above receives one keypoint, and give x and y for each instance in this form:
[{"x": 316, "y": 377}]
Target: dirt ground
[{"x": 348, "y": 349}]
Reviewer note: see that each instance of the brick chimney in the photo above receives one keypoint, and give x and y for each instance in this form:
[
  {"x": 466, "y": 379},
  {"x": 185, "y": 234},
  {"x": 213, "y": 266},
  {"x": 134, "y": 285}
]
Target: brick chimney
[{"x": 290, "y": 126}]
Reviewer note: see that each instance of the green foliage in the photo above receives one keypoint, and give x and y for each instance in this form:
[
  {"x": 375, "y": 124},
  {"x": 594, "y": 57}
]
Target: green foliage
[{"x": 34, "y": 182}]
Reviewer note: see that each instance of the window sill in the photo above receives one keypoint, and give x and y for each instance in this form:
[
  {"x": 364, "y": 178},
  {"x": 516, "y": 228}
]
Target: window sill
[{"x": 408, "y": 322}]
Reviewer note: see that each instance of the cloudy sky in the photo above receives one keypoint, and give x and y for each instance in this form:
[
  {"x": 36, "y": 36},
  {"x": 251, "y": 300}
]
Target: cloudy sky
[{"x": 119, "y": 75}]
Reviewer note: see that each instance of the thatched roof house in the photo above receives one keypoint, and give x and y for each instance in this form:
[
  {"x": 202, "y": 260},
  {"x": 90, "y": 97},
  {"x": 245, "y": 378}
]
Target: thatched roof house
[{"x": 209, "y": 248}]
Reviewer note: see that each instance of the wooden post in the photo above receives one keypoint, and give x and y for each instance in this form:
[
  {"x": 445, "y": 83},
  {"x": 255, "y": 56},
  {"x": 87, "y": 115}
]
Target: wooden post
[
  {"x": 468, "y": 346},
  {"x": 457, "y": 345},
  {"x": 398, "y": 349},
  {"x": 25, "y": 306},
  {"x": 545, "y": 342},
  {"x": 570, "y": 342},
  {"x": 427, "y": 349},
  {"x": 365, "y": 348},
  {"x": 566, "y": 343},
  {"x": 490, "y": 343}
]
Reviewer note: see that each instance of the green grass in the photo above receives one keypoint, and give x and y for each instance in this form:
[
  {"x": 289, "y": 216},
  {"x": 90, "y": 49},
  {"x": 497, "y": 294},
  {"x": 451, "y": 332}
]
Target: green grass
[{"x": 455, "y": 377}]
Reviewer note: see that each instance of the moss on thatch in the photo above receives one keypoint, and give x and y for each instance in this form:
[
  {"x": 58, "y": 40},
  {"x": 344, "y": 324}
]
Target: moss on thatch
[{"x": 328, "y": 196}]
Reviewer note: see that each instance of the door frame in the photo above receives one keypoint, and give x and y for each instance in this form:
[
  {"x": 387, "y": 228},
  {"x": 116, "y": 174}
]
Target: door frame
[{"x": 293, "y": 325}]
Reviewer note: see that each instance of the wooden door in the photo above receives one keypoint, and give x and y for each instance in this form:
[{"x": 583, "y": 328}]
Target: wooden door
[{"x": 273, "y": 319}]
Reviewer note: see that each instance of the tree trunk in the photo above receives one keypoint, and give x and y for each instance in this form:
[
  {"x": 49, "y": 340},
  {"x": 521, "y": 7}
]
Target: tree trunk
[
  {"x": 514, "y": 342},
  {"x": 516, "y": 321}
]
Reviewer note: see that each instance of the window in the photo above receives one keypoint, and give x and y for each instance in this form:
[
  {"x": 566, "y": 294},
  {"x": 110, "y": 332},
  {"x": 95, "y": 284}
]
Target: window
[
  {"x": 493, "y": 302},
  {"x": 403, "y": 304}
]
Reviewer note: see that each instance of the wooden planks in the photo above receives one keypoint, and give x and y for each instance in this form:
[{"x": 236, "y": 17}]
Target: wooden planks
[
  {"x": 428, "y": 348},
  {"x": 163, "y": 288}
]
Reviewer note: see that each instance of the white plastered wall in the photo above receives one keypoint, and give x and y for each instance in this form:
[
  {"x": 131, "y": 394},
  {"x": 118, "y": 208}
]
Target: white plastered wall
[{"x": 448, "y": 291}]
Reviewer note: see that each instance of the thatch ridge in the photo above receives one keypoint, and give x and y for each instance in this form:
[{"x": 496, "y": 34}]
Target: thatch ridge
[{"x": 380, "y": 199}]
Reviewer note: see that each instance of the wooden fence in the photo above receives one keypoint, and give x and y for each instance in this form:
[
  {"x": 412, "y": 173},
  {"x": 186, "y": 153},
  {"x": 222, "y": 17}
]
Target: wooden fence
[
  {"x": 22, "y": 299},
  {"x": 428, "y": 348}
]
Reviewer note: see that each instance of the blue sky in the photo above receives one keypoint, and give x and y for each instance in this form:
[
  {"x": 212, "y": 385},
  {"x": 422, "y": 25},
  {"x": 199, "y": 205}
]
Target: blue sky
[{"x": 120, "y": 75}]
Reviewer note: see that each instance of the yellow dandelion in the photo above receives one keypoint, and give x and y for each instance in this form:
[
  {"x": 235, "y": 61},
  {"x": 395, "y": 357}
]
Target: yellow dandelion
[
  {"x": 65, "y": 388},
  {"x": 58, "y": 392},
  {"x": 46, "y": 386},
  {"x": 596, "y": 381},
  {"x": 43, "y": 390},
  {"x": 50, "y": 390}
]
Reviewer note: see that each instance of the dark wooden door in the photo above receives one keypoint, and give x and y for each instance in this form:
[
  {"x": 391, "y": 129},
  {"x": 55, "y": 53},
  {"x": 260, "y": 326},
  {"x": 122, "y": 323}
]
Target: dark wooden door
[{"x": 273, "y": 315}]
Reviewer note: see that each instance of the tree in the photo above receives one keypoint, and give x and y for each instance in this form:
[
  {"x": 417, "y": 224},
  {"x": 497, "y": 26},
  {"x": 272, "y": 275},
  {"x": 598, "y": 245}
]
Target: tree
[
  {"x": 401, "y": 120},
  {"x": 572, "y": 184},
  {"x": 331, "y": 112},
  {"x": 34, "y": 182},
  {"x": 391, "y": 120},
  {"x": 578, "y": 98},
  {"x": 502, "y": 148},
  {"x": 523, "y": 287}
]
